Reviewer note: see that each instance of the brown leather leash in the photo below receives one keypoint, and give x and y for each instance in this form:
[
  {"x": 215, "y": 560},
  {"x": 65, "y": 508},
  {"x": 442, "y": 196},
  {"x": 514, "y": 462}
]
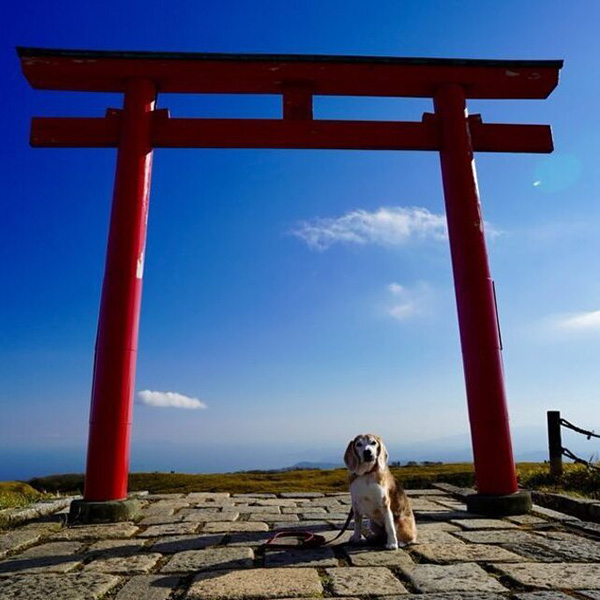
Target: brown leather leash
[{"x": 305, "y": 539}]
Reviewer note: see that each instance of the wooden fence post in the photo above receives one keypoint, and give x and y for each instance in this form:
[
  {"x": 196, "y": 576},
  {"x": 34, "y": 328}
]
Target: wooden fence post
[{"x": 555, "y": 443}]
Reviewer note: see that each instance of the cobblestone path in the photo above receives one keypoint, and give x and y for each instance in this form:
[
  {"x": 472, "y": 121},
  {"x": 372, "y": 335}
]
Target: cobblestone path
[{"x": 206, "y": 546}]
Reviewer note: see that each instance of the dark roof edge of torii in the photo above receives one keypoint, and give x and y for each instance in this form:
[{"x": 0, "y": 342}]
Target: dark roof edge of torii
[
  {"x": 24, "y": 51},
  {"x": 200, "y": 73}
]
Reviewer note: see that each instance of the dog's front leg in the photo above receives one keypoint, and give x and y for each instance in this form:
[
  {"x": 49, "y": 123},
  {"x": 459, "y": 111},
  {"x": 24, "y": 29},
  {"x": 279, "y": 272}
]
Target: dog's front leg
[
  {"x": 357, "y": 535},
  {"x": 390, "y": 530}
]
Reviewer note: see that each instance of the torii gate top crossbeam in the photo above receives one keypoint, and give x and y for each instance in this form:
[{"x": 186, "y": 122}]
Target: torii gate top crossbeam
[
  {"x": 297, "y": 79},
  {"x": 178, "y": 72}
]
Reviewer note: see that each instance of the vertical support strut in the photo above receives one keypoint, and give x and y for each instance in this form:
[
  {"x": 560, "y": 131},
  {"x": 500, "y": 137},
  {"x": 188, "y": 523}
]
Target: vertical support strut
[
  {"x": 555, "y": 443},
  {"x": 118, "y": 323},
  {"x": 479, "y": 335}
]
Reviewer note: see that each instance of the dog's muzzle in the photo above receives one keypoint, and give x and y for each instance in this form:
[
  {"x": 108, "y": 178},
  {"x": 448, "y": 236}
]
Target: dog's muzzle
[{"x": 367, "y": 456}]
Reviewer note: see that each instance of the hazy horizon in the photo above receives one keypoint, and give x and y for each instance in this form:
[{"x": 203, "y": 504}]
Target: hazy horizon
[{"x": 27, "y": 462}]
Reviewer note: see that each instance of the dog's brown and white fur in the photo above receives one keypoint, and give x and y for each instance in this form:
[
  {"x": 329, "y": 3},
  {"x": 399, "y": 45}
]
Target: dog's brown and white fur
[{"x": 376, "y": 494}]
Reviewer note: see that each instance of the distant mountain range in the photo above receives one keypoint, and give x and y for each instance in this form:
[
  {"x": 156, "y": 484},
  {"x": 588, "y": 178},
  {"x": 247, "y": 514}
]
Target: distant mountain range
[
  {"x": 316, "y": 465},
  {"x": 529, "y": 445}
]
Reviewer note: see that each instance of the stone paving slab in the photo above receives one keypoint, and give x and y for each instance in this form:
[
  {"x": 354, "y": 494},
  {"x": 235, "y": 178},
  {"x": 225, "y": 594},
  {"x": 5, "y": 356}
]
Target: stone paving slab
[
  {"x": 470, "y": 524},
  {"x": 180, "y": 543},
  {"x": 327, "y": 501},
  {"x": 572, "y": 547},
  {"x": 14, "y": 516},
  {"x": 96, "y": 532},
  {"x": 452, "y": 578},
  {"x": 334, "y": 516},
  {"x": 109, "y": 548},
  {"x": 274, "y": 510},
  {"x": 234, "y": 527},
  {"x": 186, "y": 536},
  {"x": 301, "y": 495},
  {"x": 528, "y": 520},
  {"x": 543, "y": 596},
  {"x": 16, "y": 539},
  {"x": 171, "y": 504},
  {"x": 593, "y": 528},
  {"x": 208, "y": 517},
  {"x": 224, "y": 503},
  {"x": 255, "y": 584},
  {"x": 265, "y": 495},
  {"x": 553, "y": 575},
  {"x": 449, "y": 553},
  {"x": 444, "y": 515},
  {"x": 192, "y": 561},
  {"x": 52, "y": 549},
  {"x": 160, "y": 519},
  {"x": 276, "y": 502},
  {"x": 314, "y": 526},
  {"x": 303, "y": 510},
  {"x": 431, "y": 536},
  {"x": 436, "y": 526},
  {"x": 173, "y": 496},
  {"x": 248, "y": 538},
  {"x": 453, "y": 596},
  {"x": 535, "y": 552},
  {"x": 375, "y": 581},
  {"x": 273, "y": 518},
  {"x": 552, "y": 514},
  {"x": 153, "y": 510},
  {"x": 496, "y": 537},
  {"x": 369, "y": 557},
  {"x": 127, "y": 565},
  {"x": 39, "y": 564},
  {"x": 148, "y": 587},
  {"x": 425, "y": 504},
  {"x": 172, "y": 529},
  {"x": 83, "y": 586},
  {"x": 315, "y": 557},
  {"x": 204, "y": 496}
]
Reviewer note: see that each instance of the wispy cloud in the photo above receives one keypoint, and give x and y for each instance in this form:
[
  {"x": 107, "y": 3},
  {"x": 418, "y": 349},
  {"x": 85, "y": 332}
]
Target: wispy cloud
[
  {"x": 169, "y": 400},
  {"x": 580, "y": 322},
  {"x": 406, "y": 302},
  {"x": 387, "y": 226}
]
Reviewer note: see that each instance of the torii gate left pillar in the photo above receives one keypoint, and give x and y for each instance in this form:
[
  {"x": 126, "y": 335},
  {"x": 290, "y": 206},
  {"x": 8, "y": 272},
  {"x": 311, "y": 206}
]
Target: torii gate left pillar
[{"x": 139, "y": 128}]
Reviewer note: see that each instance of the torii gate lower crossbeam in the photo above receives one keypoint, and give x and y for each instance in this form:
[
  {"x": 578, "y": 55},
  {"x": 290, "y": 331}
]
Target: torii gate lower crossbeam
[{"x": 139, "y": 128}]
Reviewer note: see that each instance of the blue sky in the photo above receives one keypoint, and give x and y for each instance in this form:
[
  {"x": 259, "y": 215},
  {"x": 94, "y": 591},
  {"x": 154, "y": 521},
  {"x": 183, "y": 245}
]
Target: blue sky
[{"x": 302, "y": 297}]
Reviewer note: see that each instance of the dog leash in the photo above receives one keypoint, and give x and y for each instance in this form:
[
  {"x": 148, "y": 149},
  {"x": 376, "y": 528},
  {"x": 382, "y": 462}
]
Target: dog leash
[{"x": 305, "y": 539}]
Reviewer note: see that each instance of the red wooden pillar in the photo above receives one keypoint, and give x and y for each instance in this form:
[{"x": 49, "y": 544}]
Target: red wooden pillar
[
  {"x": 478, "y": 324},
  {"x": 118, "y": 324}
]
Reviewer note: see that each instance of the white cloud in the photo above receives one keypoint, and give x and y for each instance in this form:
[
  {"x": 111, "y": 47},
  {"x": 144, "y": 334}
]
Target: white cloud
[
  {"x": 387, "y": 226},
  {"x": 584, "y": 321},
  {"x": 408, "y": 302},
  {"x": 169, "y": 400}
]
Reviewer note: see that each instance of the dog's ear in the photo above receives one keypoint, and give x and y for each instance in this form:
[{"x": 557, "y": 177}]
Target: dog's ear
[
  {"x": 350, "y": 457},
  {"x": 382, "y": 456}
]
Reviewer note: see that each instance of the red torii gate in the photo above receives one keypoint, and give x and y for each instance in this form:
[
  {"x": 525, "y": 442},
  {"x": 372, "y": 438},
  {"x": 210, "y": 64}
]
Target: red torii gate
[{"x": 139, "y": 128}]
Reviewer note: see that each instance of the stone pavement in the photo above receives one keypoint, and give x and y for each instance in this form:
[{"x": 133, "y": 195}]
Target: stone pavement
[{"x": 204, "y": 546}]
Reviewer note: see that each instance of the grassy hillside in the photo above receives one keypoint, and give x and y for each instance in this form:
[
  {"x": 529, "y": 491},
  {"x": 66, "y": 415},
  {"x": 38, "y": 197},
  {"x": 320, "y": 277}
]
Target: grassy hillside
[
  {"x": 576, "y": 479},
  {"x": 14, "y": 494},
  {"x": 333, "y": 480}
]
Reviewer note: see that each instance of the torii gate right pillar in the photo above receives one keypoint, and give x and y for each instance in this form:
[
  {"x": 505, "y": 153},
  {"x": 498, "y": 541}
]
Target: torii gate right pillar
[{"x": 477, "y": 315}]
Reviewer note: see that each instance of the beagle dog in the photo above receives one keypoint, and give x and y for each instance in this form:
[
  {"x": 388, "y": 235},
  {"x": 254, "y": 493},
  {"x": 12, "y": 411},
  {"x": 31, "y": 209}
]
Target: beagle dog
[{"x": 376, "y": 495}]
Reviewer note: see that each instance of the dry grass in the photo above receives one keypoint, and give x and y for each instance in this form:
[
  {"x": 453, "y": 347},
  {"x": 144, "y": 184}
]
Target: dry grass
[
  {"x": 15, "y": 494},
  {"x": 576, "y": 480},
  {"x": 333, "y": 480}
]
